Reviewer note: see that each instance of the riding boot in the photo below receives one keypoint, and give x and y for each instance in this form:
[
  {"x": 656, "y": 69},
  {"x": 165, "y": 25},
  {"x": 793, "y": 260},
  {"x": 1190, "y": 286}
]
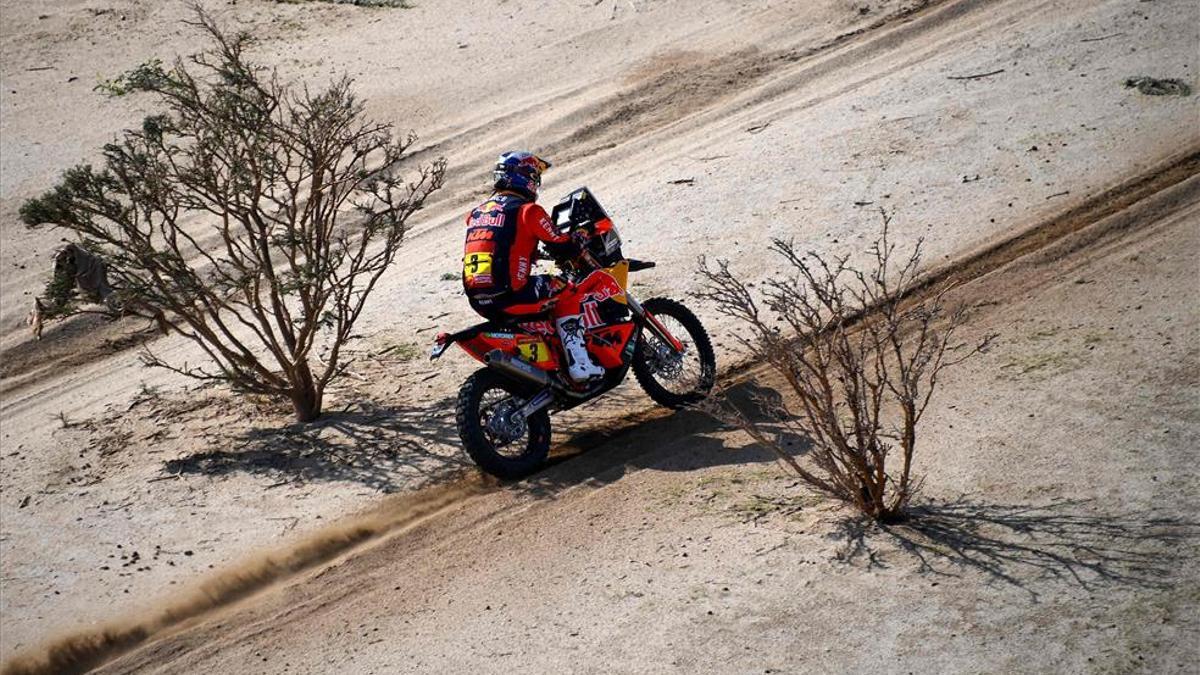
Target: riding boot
[{"x": 580, "y": 367}]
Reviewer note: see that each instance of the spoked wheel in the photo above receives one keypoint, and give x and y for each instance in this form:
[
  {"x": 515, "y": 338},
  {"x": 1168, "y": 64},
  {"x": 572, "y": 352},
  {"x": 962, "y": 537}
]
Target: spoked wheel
[
  {"x": 496, "y": 436},
  {"x": 675, "y": 379}
]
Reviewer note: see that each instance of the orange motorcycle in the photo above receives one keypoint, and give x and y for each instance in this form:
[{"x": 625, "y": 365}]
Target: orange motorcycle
[{"x": 504, "y": 408}]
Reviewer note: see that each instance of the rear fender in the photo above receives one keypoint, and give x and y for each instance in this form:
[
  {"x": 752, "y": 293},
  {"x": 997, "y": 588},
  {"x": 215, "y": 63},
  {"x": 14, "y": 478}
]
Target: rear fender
[{"x": 533, "y": 349}]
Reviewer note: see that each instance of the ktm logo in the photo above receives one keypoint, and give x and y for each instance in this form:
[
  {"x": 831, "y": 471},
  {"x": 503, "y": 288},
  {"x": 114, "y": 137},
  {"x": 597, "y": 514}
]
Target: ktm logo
[{"x": 481, "y": 235}]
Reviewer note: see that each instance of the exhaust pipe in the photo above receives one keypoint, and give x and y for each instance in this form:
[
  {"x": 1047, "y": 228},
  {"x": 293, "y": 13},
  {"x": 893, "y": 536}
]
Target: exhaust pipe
[
  {"x": 520, "y": 369},
  {"x": 517, "y": 368}
]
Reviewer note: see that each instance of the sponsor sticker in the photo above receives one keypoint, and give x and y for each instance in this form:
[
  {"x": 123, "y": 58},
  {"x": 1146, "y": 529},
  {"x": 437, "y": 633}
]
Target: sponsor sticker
[
  {"x": 477, "y": 268},
  {"x": 534, "y": 352}
]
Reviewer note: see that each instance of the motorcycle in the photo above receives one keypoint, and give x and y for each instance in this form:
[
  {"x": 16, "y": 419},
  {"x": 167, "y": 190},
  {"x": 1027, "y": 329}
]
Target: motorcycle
[{"x": 503, "y": 409}]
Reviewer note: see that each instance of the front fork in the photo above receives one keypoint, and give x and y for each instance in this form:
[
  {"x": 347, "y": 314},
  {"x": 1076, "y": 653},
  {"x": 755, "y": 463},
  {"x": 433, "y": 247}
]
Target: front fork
[{"x": 654, "y": 324}]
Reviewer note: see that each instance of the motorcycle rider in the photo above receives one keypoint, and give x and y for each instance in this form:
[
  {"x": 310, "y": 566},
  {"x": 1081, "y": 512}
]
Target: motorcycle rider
[{"x": 501, "y": 247}]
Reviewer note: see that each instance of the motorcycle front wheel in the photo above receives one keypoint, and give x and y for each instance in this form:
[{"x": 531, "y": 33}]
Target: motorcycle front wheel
[
  {"x": 496, "y": 439},
  {"x": 672, "y": 379}
]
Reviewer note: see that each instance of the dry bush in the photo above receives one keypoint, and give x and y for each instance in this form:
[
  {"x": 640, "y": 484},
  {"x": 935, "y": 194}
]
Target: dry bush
[
  {"x": 861, "y": 354},
  {"x": 249, "y": 215}
]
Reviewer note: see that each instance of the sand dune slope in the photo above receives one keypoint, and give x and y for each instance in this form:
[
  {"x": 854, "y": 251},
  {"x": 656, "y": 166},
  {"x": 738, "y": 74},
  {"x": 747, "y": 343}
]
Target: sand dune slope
[{"x": 706, "y": 129}]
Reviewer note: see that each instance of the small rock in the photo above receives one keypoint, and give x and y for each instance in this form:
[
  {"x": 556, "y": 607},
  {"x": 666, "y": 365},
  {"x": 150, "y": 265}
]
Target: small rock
[{"x": 1152, "y": 86}]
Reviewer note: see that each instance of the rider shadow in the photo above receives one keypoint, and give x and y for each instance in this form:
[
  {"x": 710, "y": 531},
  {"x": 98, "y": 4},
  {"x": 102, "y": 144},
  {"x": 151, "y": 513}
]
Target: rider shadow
[
  {"x": 383, "y": 447},
  {"x": 684, "y": 440},
  {"x": 767, "y": 409},
  {"x": 1026, "y": 546}
]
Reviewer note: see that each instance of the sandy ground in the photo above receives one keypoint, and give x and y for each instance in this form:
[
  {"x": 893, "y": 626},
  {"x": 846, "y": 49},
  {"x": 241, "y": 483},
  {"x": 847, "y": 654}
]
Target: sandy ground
[
  {"x": 795, "y": 119},
  {"x": 1058, "y": 532}
]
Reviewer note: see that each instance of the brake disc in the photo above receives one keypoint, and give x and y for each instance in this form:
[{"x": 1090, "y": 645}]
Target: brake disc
[
  {"x": 506, "y": 423},
  {"x": 667, "y": 362}
]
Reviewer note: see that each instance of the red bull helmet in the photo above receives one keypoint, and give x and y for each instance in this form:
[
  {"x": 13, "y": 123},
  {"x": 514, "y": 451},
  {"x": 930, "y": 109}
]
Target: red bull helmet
[{"x": 520, "y": 172}]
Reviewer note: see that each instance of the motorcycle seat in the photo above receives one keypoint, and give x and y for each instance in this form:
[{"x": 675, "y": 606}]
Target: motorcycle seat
[
  {"x": 506, "y": 324},
  {"x": 524, "y": 317}
]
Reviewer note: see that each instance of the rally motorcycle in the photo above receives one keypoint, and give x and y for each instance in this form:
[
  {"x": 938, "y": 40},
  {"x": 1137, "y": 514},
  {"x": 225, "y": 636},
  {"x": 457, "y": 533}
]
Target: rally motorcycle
[{"x": 503, "y": 411}]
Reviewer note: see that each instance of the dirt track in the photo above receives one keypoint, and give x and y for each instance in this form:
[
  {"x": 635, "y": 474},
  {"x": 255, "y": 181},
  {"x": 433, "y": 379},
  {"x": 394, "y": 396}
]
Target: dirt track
[
  {"x": 826, "y": 114},
  {"x": 494, "y": 551}
]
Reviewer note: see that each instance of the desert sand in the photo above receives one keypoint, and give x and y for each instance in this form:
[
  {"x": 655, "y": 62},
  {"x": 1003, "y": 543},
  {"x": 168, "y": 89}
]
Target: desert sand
[{"x": 1060, "y": 490}]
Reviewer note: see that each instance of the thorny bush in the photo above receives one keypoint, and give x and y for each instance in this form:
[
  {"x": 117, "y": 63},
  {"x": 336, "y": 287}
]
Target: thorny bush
[
  {"x": 862, "y": 355},
  {"x": 250, "y": 215}
]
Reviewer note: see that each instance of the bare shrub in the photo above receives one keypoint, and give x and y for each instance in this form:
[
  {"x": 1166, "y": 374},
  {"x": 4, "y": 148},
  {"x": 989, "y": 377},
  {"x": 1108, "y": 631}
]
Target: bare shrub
[
  {"x": 250, "y": 215},
  {"x": 861, "y": 354}
]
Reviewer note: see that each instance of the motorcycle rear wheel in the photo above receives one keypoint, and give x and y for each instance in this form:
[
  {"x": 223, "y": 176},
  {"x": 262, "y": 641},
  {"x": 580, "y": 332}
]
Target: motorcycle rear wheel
[
  {"x": 482, "y": 395},
  {"x": 652, "y": 364}
]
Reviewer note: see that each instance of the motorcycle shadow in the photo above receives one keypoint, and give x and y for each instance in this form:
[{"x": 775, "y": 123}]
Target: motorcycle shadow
[{"x": 683, "y": 440}]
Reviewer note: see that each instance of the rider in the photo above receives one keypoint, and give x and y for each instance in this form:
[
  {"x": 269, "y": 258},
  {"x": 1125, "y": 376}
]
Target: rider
[{"x": 502, "y": 238}]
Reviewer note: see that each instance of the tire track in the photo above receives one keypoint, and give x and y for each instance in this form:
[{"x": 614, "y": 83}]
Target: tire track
[{"x": 83, "y": 650}]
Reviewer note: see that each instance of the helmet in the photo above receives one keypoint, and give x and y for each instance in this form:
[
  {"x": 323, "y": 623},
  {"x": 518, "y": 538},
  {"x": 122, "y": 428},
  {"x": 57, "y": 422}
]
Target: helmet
[{"x": 520, "y": 172}]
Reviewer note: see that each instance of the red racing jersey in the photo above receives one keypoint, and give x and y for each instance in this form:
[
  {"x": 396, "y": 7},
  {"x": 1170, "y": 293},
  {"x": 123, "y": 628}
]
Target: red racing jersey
[{"x": 501, "y": 245}]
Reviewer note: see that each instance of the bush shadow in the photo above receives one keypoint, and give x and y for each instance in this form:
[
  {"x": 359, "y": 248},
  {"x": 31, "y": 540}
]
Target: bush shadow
[
  {"x": 1068, "y": 541},
  {"x": 382, "y": 447}
]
